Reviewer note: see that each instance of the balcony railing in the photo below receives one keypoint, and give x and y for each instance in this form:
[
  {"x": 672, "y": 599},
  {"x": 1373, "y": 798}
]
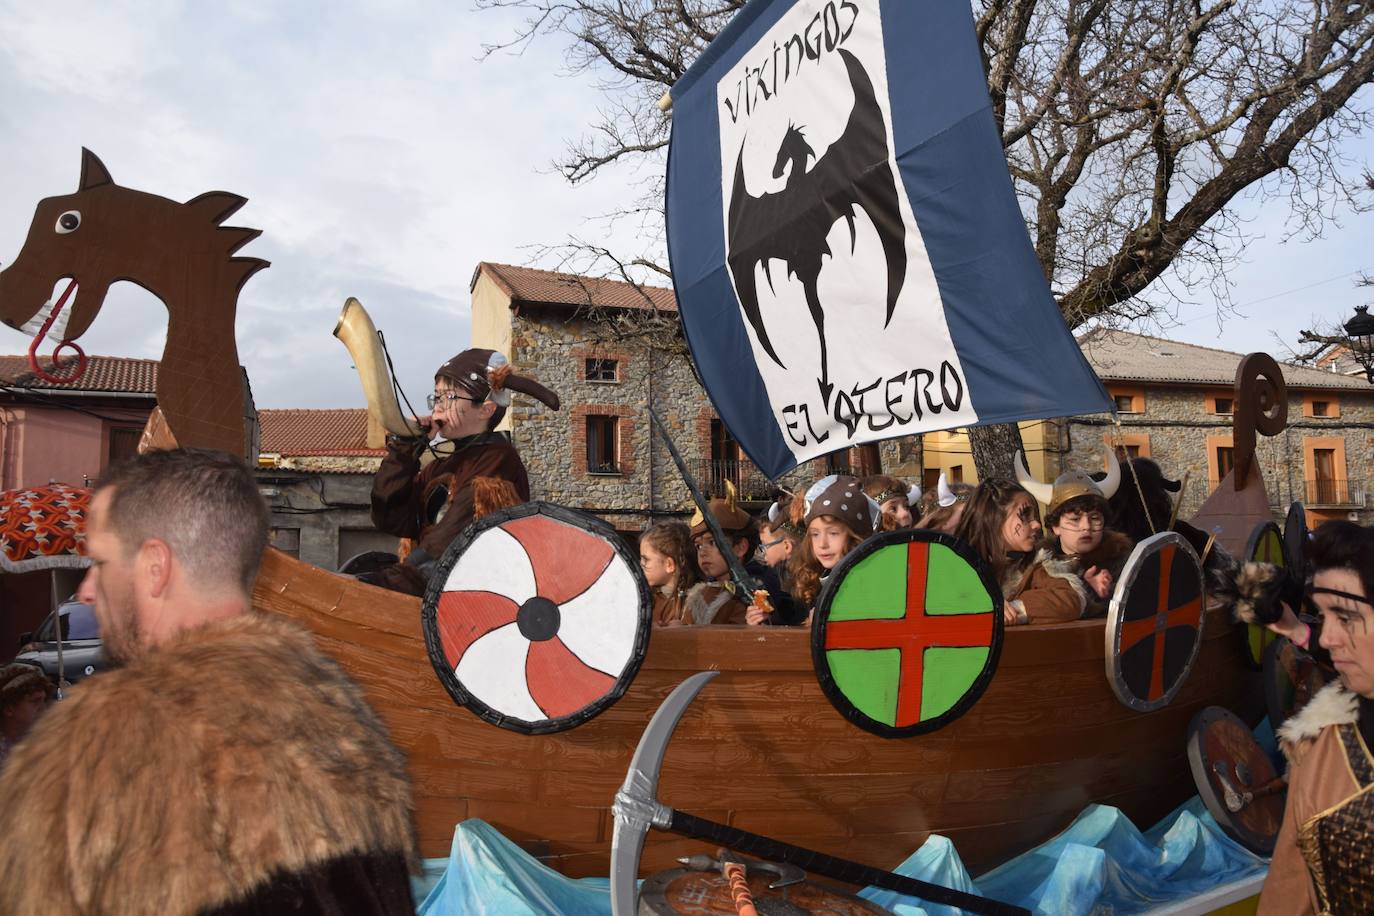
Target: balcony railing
[
  {"x": 712, "y": 473},
  {"x": 1330, "y": 492}
]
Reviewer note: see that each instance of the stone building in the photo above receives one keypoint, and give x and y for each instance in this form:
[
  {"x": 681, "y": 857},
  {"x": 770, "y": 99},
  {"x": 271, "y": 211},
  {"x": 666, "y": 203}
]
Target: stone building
[
  {"x": 612, "y": 350},
  {"x": 1175, "y": 403},
  {"x": 315, "y": 469}
]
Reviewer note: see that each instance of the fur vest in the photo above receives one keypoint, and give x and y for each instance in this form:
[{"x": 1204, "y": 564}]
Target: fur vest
[
  {"x": 233, "y": 769},
  {"x": 1332, "y": 705}
]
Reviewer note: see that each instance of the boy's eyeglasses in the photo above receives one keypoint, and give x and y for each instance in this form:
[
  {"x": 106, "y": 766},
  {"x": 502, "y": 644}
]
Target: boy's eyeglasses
[{"x": 445, "y": 397}]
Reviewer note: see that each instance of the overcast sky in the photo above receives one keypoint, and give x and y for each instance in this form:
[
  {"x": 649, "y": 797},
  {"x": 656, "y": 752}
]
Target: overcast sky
[{"x": 384, "y": 160}]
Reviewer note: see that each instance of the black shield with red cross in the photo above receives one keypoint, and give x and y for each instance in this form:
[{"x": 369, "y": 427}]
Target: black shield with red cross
[
  {"x": 907, "y": 632},
  {"x": 1154, "y": 622},
  {"x": 537, "y": 618}
]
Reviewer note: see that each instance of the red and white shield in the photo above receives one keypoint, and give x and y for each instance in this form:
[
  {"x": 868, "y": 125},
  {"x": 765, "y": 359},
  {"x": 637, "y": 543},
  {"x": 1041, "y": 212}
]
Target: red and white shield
[{"x": 537, "y": 618}]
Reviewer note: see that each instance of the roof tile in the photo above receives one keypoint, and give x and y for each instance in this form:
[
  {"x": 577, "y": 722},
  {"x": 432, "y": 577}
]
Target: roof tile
[
  {"x": 300, "y": 432},
  {"x": 1124, "y": 356},
  {"x": 547, "y": 287},
  {"x": 103, "y": 373}
]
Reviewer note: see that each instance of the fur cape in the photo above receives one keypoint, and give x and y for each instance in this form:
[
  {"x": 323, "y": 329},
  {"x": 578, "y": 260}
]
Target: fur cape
[
  {"x": 1333, "y": 705},
  {"x": 221, "y": 762},
  {"x": 1110, "y": 554}
]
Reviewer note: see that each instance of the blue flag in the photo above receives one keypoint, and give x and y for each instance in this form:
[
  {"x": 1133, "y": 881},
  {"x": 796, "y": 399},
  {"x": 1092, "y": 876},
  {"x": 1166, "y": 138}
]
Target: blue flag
[{"x": 848, "y": 254}]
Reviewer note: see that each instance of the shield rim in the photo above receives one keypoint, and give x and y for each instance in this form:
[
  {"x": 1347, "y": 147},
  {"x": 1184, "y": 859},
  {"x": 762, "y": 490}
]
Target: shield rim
[
  {"x": 837, "y": 698},
  {"x": 434, "y": 648},
  {"x": 1112, "y": 630},
  {"x": 1244, "y": 631},
  {"x": 1224, "y": 819}
]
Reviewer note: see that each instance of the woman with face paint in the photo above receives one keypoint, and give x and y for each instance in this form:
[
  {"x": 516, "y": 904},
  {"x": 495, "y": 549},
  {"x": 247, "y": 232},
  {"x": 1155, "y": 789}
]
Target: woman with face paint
[
  {"x": 1002, "y": 525},
  {"x": 1324, "y": 858}
]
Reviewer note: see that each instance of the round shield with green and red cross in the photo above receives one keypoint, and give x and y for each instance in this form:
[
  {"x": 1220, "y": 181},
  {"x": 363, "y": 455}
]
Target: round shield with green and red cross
[
  {"x": 1154, "y": 622},
  {"x": 1266, "y": 545},
  {"x": 907, "y": 632}
]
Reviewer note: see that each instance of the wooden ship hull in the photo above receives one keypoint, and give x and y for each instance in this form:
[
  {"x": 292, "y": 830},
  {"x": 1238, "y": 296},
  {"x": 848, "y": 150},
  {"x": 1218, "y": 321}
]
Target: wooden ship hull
[{"x": 762, "y": 748}]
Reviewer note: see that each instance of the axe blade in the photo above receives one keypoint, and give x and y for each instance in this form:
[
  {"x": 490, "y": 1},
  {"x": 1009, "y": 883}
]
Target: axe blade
[{"x": 636, "y": 806}]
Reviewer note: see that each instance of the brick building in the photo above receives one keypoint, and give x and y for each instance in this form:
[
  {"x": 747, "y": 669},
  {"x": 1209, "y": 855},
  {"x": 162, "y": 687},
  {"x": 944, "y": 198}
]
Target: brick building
[
  {"x": 612, "y": 350},
  {"x": 1175, "y": 403}
]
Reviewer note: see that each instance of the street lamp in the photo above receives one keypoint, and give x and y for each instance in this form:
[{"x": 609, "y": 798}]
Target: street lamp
[{"x": 1360, "y": 333}]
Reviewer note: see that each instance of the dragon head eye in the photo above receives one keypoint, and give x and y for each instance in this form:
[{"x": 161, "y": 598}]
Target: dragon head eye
[{"x": 68, "y": 222}]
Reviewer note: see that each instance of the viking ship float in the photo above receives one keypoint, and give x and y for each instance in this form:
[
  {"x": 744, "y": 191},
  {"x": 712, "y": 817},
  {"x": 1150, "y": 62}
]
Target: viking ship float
[
  {"x": 520, "y": 686},
  {"x": 763, "y": 747}
]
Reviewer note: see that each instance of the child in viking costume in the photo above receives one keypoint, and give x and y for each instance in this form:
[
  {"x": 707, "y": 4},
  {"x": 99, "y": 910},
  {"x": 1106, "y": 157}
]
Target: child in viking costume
[
  {"x": 836, "y": 516},
  {"x": 1002, "y": 525},
  {"x": 717, "y": 602},
  {"x": 894, "y": 499},
  {"x": 668, "y": 558},
  {"x": 430, "y": 506},
  {"x": 943, "y": 508},
  {"x": 779, "y": 538},
  {"x": 226, "y": 765},
  {"x": 1073, "y": 572},
  {"x": 1324, "y": 857}
]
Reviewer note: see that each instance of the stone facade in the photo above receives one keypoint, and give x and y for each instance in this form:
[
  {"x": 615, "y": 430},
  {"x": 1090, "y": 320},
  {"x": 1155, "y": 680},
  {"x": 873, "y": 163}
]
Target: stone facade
[
  {"x": 1178, "y": 426},
  {"x": 557, "y": 343},
  {"x": 321, "y": 516}
]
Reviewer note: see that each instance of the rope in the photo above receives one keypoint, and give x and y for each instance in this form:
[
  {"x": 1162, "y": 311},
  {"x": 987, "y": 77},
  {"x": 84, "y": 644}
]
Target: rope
[
  {"x": 739, "y": 889},
  {"x": 1120, "y": 440}
]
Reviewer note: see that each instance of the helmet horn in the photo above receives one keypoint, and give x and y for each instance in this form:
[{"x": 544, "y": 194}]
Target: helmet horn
[
  {"x": 1043, "y": 492},
  {"x": 1112, "y": 481}
]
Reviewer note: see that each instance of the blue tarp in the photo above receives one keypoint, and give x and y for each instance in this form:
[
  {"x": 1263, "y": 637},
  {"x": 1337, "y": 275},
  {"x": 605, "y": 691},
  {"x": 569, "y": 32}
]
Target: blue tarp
[{"x": 1100, "y": 864}]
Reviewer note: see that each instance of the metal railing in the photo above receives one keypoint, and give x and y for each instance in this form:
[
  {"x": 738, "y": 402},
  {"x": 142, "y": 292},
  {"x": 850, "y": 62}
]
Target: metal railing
[
  {"x": 1345, "y": 494},
  {"x": 1332, "y": 492},
  {"x": 712, "y": 473}
]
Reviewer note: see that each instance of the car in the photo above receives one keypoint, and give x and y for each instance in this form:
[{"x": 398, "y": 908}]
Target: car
[{"x": 83, "y": 652}]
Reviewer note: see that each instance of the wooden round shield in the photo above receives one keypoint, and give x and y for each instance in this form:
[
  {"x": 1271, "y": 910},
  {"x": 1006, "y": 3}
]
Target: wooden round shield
[
  {"x": 682, "y": 892},
  {"x": 907, "y": 632},
  {"x": 1236, "y": 779},
  {"x": 1154, "y": 622},
  {"x": 537, "y": 618},
  {"x": 1266, "y": 545},
  {"x": 1291, "y": 678}
]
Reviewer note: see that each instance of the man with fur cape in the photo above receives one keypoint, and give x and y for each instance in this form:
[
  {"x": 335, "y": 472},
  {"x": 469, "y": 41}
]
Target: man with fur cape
[{"x": 227, "y": 766}]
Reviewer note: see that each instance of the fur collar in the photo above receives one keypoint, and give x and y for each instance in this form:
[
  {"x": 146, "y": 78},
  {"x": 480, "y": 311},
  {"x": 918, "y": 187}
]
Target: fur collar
[
  {"x": 1333, "y": 705},
  {"x": 193, "y": 776}
]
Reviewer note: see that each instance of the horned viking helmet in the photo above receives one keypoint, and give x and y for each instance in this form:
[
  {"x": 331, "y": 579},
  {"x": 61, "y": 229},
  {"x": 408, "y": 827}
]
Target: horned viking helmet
[{"x": 1069, "y": 485}]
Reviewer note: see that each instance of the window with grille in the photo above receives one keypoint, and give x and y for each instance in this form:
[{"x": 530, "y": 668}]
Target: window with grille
[
  {"x": 602, "y": 370},
  {"x": 602, "y": 445},
  {"x": 1224, "y": 405}
]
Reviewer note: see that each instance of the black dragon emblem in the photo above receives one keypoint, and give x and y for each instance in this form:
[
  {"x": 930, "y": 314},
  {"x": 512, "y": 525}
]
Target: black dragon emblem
[{"x": 791, "y": 225}]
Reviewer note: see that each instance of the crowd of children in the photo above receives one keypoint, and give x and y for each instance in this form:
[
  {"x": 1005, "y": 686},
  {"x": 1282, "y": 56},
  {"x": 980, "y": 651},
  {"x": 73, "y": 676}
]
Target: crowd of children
[{"x": 1061, "y": 568}]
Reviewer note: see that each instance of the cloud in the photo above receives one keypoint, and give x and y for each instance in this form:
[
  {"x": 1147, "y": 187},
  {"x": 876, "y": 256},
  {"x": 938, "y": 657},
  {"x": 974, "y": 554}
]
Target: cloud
[{"x": 380, "y": 158}]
